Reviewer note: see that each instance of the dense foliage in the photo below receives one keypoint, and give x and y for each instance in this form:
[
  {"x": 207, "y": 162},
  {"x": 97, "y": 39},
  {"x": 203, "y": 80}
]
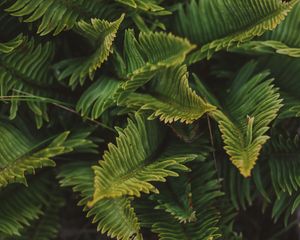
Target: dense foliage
[{"x": 160, "y": 119}]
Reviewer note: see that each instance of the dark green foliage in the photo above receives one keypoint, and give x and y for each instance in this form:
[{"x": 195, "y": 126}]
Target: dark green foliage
[{"x": 171, "y": 120}]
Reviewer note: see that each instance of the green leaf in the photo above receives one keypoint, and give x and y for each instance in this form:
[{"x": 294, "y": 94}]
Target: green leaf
[
  {"x": 27, "y": 69},
  {"x": 283, "y": 68},
  {"x": 55, "y": 16},
  {"x": 146, "y": 6},
  {"x": 98, "y": 97},
  {"x": 115, "y": 217},
  {"x": 171, "y": 98},
  {"x": 47, "y": 226},
  {"x": 136, "y": 160},
  {"x": 101, "y": 33},
  {"x": 283, "y": 40},
  {"x": 151, "y": 53},
  {"x": 283, "y": 155},
  {"x": 20, "y": 205},
  {"x": 11, "y": 45},
  {"x": 175, "y": 197},
  {"x": 220, "y": 24},
  {"x": 205, "y": 191},
  {"x": 31, "y": 153},
  {"x": 251, "y": 105}
]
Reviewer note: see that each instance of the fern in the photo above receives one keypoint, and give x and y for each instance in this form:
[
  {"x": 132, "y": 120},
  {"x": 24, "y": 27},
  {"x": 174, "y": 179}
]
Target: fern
[
  {"x": 204, "y": 193},
  {"x": 11, "y": 45},
  {"x": 282, "y": 163},
  {"x": 283, "y": 40},
  {"x": 162, "y": 119},
  {"x": 101, "y": 33},
  {"x": 31, "y": 154},
  {"x": 246, "y": 119},
  {"x": 160, "y": 51},
  {"x": 55, "y": 16},
  {"x": 21, "y": 205},
  {"x": 114, "y": 216},
  {"x": 136, "y": 162},
  {"x": 98, "y": 97},
  {"x": 288, "y": 89},
  {"x": 240, "y": 21},
  {"x": 172, "y": 99},
  {"x": 26, "y": 69}
]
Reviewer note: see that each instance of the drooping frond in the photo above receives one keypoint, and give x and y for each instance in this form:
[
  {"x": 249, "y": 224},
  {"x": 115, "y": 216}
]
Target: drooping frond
[
  {"x": 30, "y": 153},
  {"x": 11, "y": 45},
  {"x": 26, "y": 69},
  {"x": 47, "y": 226},
  {"x": 171, "y": 98},
  {"x": 146, "y": 6},
  {"x": 175, "y": 197},
  {"x": 136, "y": 160},
  {"x": 220, "y": 24},
  {"x": 98, "y": 97},
  {"x": 253, "y": 188},
  {"x": 204, "y": 193},
  {"x": 151, "y": 53},
  {"x": 285, "y": 205},
  {"x": 284, "y": 162},
  {"x": 283, "y": 40},
  {"x": 101, "y": 33},
  {"x": 115, "y": 217},
  {"x": 21, "y": 205},
  {"x": 283, "y": 68},
  {"x": 55, "y": 16},
  {"x": 250, "y": 106}
]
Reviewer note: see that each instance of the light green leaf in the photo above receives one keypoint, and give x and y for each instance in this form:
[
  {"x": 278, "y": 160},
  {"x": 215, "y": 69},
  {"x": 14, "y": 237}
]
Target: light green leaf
[
  {"x": 129, "y": 166},
  {"x": 171, "y": 98}
]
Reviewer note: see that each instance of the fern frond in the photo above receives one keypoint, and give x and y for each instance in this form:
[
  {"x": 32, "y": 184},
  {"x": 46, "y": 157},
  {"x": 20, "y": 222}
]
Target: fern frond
[
  {"x": 98, "y": 97},
  {"x": 55, "y": 16},
  {"x": 11, "y": 45},
  {"x": 283, "y": 40},
  {"x": 171, "y": 98},
  {"x": 252, "y": 104},
  {"x": 47, "y": 226},
  {"x": 31, "y": 153},
  {"x": 205, "y": 190},
  {"x": 27, "y": 69},
  {"x": 101, "y": 33},
  {"x": 20, "y": 205},
  {"x": 216, "y": 25},
  {"x": 282, "y": 68},
  {"x": 129, "y": 166},
  {"x": 149, "y": 6},
  {"x": 151, "y": 53},
  {"x": 284, "y": 160},
  {"x": 285, "y": 205},
  {"x": 115, "y": 217},
  {"x": 175, "y": 197}
]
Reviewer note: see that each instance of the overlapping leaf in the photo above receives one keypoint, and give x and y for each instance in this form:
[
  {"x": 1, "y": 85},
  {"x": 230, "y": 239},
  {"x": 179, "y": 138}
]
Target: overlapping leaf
[
  {"x": 216, "y": 25},
  {"x": 101, "y": 33},
  {"x": 129, "y": 167},
  {"x": 203, "y": 196},
  {"x": 283, "y": 40},
  {"x": 151, "y": 53},
  {"x": 98, "y": 97},
  {"x": 55, "y": 16},
  {"x": 26, "y": 69},
  {"x": 249, "y": 108},
  {"x": 21, "y": 205},
  {"x": 115, "y": 217},
  {"x": 30, "y": 153},
  {"x": 171, "y": 98}
]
